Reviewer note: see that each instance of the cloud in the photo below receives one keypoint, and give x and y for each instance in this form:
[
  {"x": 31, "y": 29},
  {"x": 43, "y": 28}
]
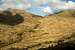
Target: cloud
[
  {"x": 30, "y": 3},
  {"x": 70, "y": 5},
  {"x": 62, "y": 4},
  {"x": 46, "y": 6}
]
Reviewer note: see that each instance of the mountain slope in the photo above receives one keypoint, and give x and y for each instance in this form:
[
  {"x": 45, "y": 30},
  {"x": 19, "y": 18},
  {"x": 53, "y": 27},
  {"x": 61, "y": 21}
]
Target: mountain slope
[{"x": 38, "y": 32}]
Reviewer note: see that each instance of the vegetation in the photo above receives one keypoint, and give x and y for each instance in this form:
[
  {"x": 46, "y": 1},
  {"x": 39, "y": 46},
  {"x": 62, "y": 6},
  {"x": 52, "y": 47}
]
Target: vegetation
[{"x": 35, "y": 32}]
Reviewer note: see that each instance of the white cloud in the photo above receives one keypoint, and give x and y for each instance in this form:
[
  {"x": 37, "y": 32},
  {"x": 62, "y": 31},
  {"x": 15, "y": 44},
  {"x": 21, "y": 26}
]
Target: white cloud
[
  {"x": 53, "y": 5},
  {"x": 70, "y": 5}
]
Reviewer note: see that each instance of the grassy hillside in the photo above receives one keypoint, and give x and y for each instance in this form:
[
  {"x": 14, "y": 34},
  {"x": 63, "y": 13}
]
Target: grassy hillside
[{"x": 36, "y": 32}]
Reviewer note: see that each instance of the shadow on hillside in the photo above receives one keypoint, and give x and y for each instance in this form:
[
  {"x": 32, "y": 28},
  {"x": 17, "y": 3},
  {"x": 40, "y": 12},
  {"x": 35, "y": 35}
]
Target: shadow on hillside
[
  {"x": 11, "y": 20},
  {"x": 65, "y": 46}
]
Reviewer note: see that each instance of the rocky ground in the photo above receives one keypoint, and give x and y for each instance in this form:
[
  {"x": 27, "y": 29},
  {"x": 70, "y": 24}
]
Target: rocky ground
[{"x": 20, "y": 30}]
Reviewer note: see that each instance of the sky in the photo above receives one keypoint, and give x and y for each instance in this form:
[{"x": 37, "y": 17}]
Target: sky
[
  {"x": 69, "y": 0},
  {"x": 38, "y": 7}
]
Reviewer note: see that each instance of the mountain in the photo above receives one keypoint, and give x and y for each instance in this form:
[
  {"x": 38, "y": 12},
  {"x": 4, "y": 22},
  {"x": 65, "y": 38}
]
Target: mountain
[{"x": 36, "y": 32}]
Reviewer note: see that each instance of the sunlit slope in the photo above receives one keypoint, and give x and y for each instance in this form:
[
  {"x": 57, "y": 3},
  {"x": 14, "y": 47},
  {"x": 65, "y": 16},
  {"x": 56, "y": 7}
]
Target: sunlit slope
[{"x": 38, "y": 32}]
